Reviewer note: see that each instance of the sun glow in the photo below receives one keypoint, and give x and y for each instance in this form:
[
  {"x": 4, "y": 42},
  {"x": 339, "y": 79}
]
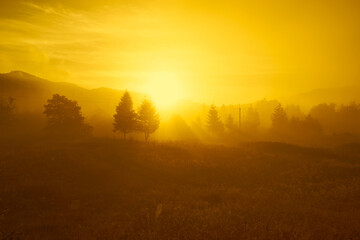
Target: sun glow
[{"x": 164, "y": 88}]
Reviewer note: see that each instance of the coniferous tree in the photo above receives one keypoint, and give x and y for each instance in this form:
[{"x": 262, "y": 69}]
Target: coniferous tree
[
  {"x": 279, "y": 119},
  {"x": 214, "y": 123},
  {"x": 148, "y": 118},
  {"x": 229, "y": 124},
  {"x": 125, "y": 117}
]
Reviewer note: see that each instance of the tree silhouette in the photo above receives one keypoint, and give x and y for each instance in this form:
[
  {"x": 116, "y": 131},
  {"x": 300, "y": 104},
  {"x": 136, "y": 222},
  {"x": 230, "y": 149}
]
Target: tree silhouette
[
  {"x": 148, "y": 118},
  {"x": 7, "y": 109},
  {"x": 64, "y": 116},
  {"x": 229, "y": 124},
  {"x": 251, "y": 120},
  {"x": 125, "y": 117},
  {"x": 214, "y": 123},
  {"x": 348, "y": 118},
  {"x": 309, "y": 126},
  {"x": 342, "y": 119},
  {"x": 327, "y": 115},
  {"x": 279, "y": 119}
]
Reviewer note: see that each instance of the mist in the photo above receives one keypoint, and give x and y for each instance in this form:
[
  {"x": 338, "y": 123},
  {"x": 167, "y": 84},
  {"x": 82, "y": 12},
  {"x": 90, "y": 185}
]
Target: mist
[{"x": 179, "y": 119}]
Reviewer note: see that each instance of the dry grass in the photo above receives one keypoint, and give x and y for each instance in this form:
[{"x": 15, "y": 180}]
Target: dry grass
[{"x": 108, "y": 189}]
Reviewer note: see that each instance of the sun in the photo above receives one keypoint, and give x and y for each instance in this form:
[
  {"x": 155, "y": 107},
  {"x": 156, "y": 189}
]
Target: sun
[{"x": 164, "y": 88}]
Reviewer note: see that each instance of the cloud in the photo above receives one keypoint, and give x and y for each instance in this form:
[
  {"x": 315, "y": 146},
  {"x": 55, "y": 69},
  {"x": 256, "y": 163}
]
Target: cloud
[
  {"x": 226, "y": 46},
  {"x": 50, "y": 40},
  {"x": 115, "y": 43}
]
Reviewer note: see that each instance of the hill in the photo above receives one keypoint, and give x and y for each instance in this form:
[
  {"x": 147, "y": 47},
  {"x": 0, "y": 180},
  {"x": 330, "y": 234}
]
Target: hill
[
  {"x": 31, "y": 94},
  {"x": 340, "y": 95}
]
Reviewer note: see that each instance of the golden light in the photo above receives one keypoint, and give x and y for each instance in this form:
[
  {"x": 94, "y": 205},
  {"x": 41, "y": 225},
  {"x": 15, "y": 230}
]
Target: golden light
[{"x": 164, "y": 88}]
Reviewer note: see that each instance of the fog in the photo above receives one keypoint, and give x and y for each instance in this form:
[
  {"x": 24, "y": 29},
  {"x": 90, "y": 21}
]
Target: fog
[
  {"x": 178, "y": 119},
  {"x": 24, "y": 97}
]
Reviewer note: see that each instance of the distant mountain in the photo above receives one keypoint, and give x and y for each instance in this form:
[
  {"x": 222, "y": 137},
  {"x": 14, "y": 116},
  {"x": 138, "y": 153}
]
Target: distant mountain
[
  {"x": 341, "y": 95},
  {"x": 31, "y": 94}
]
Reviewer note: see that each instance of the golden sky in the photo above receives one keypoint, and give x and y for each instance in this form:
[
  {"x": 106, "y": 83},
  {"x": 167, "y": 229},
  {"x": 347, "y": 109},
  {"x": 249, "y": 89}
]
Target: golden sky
[{"x": 206, "y": 51}]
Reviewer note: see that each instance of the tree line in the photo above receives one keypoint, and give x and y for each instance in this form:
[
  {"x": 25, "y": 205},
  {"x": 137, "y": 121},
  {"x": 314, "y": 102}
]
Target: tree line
[
  {"x": 64, "y": 117},
  {"x": 280, "y": 122},
  {"x": 324, "y": 121}
]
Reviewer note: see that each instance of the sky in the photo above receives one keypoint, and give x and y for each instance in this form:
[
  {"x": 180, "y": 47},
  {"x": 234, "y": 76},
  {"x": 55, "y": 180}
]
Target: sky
[{"x": 207, "y": 51}]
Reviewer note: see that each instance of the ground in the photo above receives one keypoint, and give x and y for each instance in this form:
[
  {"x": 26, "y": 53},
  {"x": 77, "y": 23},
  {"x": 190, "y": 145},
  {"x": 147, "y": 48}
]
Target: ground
[{"x": 110, "y": 189}]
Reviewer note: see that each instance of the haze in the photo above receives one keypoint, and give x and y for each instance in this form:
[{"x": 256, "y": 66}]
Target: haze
[
  {"x": 179, "y": 119},
  {"x": 206, "y": 51}
]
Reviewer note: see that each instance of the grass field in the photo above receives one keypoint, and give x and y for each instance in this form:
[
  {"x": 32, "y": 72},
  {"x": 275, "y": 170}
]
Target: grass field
[{"x": 109, "y": 189}]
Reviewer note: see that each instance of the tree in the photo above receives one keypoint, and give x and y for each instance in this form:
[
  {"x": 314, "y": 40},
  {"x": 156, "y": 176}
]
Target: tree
[
  {"x": 308, "y": 127},
  {"x": 327, "y": 115},
  {"x": 279, "y": 119},
  {"x": 148, "y": 118},
  {"x": 348, "y": 118},
  {"x": 65, "y": 117},
  {"x": 214, "y": 123},
  {"x": 7, "y": 109},
  {"x": 251, "y": 120},
  {"x": 125, "y": 117},
  {"x": 229, "y": 124}
]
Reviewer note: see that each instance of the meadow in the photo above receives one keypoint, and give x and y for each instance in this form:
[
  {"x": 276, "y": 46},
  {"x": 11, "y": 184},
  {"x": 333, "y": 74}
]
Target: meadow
[{"x": 110, "y": 189}]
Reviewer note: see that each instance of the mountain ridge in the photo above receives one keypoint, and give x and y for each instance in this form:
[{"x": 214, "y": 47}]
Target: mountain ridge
[
  {"x": 338, "y": 95},
  {"x": 32, "y": 92},
  {"x": 23, "y": 86}
]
